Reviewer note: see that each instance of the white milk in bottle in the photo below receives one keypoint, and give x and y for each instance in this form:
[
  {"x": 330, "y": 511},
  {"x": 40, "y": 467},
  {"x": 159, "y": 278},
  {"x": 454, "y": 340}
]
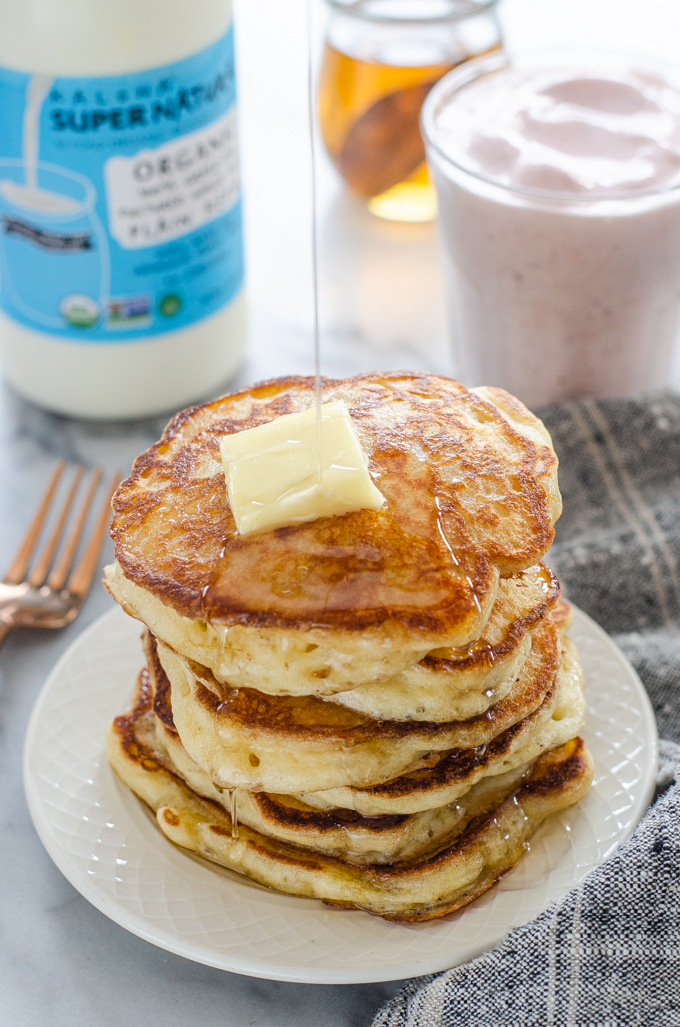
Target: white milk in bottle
[{"x": 121, "y": 257}]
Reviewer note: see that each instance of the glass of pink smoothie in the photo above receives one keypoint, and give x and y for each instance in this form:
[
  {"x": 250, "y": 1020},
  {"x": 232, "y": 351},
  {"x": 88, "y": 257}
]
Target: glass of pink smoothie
[{"x": 558, "y": 180}]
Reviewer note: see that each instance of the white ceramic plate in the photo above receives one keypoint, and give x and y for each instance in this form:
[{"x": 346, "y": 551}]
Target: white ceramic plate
[{"x": 108, "y": 847}]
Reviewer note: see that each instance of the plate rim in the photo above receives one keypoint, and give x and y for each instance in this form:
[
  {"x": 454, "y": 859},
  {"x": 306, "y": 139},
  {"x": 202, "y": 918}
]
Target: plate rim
[{"x": 140, "y": 926}]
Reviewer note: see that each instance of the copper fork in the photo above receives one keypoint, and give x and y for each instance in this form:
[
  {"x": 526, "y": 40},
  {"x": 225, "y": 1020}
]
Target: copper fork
[{"x": 46, "y": 596}]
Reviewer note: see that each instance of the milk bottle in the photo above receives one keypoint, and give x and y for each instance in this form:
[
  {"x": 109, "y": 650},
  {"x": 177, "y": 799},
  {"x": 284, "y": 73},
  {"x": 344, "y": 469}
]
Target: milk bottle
[{"x": 121, "y": 259}]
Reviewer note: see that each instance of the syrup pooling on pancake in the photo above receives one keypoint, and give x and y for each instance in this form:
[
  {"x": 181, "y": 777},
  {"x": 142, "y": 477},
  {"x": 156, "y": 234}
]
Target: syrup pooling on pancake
[
  {"x": 416, "y": 889},
  {"x": 375, "y": 839},
  {"x": 471, "y": 490},
  {"x": 454, "y": 684},
  {"x": 285, "y": 662},
  {"x": 285, "y": 744},
  {"x": 278, "y": 661},
  {"x": 345, "y": 832},
  {"x": 560, "y": 717},
  {"x": 342, "y": 832},
  {"x": 468, "y": 496}
]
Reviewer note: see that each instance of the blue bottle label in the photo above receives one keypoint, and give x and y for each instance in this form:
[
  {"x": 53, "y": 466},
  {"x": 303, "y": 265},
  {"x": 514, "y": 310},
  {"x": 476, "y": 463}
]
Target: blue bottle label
[{"x": 120, "y": 213}]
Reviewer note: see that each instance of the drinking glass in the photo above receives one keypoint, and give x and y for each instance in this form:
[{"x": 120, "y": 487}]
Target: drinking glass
[{"x": 555, "y": 296}]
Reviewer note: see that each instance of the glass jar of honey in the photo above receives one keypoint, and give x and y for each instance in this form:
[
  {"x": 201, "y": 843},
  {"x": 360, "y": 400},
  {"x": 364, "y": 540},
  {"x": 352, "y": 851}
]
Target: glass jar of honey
[{"x": 381, "y": 59}]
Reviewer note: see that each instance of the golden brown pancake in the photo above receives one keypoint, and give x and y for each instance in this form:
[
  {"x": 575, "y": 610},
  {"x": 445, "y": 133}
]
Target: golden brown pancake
[
  {"x": 563, "y": 615},
  {"x": 416, "y": 889},
  {"x": 340, "y": 832},
  {"x": 288, "y": 744},
  {"x": 383, "y": 693},
  {"x": 454, "y": 684},
  {"x": 559, "y": 718},
  {"x": 470, "y": 481}
]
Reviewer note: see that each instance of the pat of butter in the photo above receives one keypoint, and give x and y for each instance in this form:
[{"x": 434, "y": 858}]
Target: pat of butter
[{"x": 272, "y": 471}]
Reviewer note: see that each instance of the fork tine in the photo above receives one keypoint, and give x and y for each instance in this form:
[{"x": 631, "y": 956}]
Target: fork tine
[
  {"x": 81, "y": 579},
  {"x": 42, "y": 565},
  {"x": 61, "y": 568},
  {"x": 17, "y": 570}
]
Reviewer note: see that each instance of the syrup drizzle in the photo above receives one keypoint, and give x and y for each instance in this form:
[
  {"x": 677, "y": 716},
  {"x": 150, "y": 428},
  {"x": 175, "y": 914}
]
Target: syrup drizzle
[
  {"x": 544, "y": 852},
  {"x": 233, "y": 792},
  {"x": 315, "y": 269},
  {"x": 233, "y": 811}
]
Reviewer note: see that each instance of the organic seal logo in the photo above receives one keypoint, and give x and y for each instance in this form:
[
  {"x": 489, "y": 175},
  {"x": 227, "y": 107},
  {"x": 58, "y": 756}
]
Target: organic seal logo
[
  {"x": 170, "y": 304},
  {"x": 80, "y": 311}
]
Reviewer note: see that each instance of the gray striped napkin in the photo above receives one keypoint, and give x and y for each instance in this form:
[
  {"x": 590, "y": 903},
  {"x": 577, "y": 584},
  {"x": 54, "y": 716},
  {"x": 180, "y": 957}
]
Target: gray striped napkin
[{"x": 608, "y": 955}]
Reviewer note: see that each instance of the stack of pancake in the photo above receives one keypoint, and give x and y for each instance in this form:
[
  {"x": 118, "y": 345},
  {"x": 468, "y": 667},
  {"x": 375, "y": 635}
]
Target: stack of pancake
[{"x": 375, "y": 709}]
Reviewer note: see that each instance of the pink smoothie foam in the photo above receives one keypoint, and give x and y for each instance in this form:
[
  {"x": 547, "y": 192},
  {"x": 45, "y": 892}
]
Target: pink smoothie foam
[{"x": 559, "y": 196}]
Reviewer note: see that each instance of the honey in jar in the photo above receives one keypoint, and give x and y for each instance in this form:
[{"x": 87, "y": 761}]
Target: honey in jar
[{"x": 381, "y": 59}]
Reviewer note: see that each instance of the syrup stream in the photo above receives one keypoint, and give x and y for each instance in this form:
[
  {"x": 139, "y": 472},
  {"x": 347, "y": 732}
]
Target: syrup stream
[
  {"x": 233, "y": 792},
  {"x": 315, "y": 270}
]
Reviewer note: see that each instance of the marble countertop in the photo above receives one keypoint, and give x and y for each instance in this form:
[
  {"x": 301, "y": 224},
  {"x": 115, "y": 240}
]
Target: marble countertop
[{"x": 62, "y": 962}]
